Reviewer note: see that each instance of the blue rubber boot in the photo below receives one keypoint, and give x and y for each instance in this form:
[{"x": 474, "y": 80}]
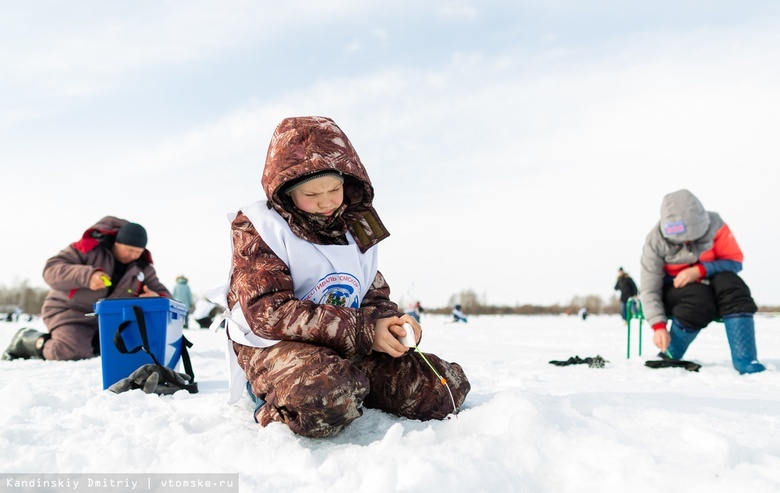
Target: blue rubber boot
[
  {"x": 258, "y": 401},
  {"x": 681, "y": 339},
  {"x": 741, "y": 333}
]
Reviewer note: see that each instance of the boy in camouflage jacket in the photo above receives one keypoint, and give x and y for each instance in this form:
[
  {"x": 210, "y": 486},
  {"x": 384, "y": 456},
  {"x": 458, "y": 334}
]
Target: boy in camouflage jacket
[{"x": 312, "y": 327}]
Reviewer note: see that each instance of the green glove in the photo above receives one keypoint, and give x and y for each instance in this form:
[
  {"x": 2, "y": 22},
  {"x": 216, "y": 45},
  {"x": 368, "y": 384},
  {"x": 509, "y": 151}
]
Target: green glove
[{"x": 153, "y": 379}]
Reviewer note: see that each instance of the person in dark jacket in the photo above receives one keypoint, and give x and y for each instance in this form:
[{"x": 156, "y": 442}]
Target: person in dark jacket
[
  {"x": 690, "y": 263},
  {"x": 457, "y": 314},
  {"x": 109, "y": 261},
  {"x": 627, "y": 288},
  {"x": 313, "y": 333}
]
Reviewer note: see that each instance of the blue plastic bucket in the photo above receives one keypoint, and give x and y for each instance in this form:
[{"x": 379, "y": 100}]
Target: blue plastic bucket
[{"x": 164, "y": 320}]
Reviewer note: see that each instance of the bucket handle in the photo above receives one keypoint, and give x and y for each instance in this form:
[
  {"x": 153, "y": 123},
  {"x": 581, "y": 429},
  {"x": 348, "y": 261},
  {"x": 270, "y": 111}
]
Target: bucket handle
[
  {"x": 120, "y": 343},
  {"x": 141, "y": 321}
]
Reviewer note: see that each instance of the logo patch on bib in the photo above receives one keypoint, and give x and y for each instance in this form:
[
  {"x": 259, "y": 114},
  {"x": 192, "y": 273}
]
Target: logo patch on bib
[{"x": 338, "y": 289}]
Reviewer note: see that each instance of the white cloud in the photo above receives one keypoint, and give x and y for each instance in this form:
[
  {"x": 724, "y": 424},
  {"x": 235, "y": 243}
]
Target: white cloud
[
  {"x": 456, "y": 9},
  {"x": 380, "y": 34},
  {"x": 88, "y": 53}
]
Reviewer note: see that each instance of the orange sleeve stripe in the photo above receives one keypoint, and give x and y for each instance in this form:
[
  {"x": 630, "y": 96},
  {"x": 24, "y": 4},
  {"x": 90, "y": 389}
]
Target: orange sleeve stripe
[{"x": 725, "y": 247}]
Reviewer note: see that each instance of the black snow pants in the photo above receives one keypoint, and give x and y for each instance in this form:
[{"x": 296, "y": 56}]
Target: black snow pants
[{"x": 699, "y": 303}]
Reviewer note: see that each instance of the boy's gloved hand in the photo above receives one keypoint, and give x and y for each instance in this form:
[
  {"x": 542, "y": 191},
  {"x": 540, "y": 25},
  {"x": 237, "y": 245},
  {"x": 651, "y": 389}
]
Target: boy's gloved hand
[{"x": 152, "y": 379}]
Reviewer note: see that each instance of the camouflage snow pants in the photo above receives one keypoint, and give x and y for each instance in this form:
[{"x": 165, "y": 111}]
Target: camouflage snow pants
[{"x": 318, "y": 393}]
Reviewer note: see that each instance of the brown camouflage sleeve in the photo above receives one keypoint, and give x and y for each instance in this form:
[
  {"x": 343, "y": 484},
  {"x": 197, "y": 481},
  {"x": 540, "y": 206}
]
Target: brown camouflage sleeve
[
  {"x": 262, "y": 284},
  {"x": 378, "y": 296}
]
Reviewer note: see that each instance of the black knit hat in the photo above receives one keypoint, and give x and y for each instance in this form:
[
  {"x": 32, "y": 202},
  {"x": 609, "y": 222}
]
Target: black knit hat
[
  {"x": 293, "y": 184},
  {"x": 132, "y": 234}
]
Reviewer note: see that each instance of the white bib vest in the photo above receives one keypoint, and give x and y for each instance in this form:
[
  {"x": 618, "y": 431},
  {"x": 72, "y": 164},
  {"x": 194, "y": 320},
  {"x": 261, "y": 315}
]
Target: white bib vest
[{"x": 325, "y": 274}]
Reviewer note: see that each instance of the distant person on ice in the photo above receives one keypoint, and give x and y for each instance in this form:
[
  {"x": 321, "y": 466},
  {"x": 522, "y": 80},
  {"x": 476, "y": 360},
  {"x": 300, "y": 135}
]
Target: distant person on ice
[
  {"x": 415, "y": 311},
  {"x": 183, "y": 294},
  {"x": 628, "y": 290},
  {"x": 457, "y": 315},
  {"x": 109, "y": 261},
  {"x": 312, "y": 326},
  {"x": 204, "y": 313},
  {"x": 689, "y": 273},
  {"x": 583, "y": 313}
]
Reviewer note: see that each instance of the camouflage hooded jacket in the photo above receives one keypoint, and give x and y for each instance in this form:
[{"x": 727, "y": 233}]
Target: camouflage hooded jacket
[{"x": 261, "y": 282}]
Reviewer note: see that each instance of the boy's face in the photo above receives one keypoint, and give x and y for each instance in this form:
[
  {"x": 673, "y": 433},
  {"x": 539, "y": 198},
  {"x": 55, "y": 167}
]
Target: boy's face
[{"x": 320, "y": 196}]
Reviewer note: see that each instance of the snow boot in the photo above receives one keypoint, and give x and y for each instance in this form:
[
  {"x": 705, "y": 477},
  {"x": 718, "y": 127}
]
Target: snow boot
[
  {"x": 23, "y": 345},
  {"x": 741, "y": 334},
  {"x": 681, "y": 339},
  {"x": 257, "y": 401}
]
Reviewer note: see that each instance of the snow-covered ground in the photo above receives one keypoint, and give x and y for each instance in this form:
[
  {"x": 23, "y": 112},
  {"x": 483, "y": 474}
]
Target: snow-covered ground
[{"x": 527, "y": 425}]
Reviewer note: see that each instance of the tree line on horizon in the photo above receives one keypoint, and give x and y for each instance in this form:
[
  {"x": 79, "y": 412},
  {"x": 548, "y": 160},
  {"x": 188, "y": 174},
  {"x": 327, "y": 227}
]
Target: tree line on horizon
[
  {"x": 473, "y": 304},
  {"x": 23, "y": 296},
  {"x": 30, "y": 300}
]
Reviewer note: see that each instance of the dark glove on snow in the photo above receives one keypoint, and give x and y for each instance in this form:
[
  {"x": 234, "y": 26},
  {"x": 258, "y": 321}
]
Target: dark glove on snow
[
  {"x": 595, "y": 362},
  {"x": 153, "y": 379},
  {"x": 673, "y": 363}
]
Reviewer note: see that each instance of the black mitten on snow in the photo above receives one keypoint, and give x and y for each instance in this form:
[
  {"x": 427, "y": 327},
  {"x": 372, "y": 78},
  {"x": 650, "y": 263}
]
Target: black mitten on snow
[
  {"x": 673, "y": 363},
  {"x": 154, "y": 379},
  {"x": 574, "y": 360},
  {"x": 595, "y": 362}
]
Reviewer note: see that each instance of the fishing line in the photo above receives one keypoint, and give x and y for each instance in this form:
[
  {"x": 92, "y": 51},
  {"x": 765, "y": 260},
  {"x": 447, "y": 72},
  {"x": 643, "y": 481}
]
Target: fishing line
[{"x": 442, "y": 380}]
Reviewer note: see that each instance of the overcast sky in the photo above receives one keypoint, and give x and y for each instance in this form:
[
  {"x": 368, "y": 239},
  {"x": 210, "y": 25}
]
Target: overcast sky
[{"x": 519, "y": 149}]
